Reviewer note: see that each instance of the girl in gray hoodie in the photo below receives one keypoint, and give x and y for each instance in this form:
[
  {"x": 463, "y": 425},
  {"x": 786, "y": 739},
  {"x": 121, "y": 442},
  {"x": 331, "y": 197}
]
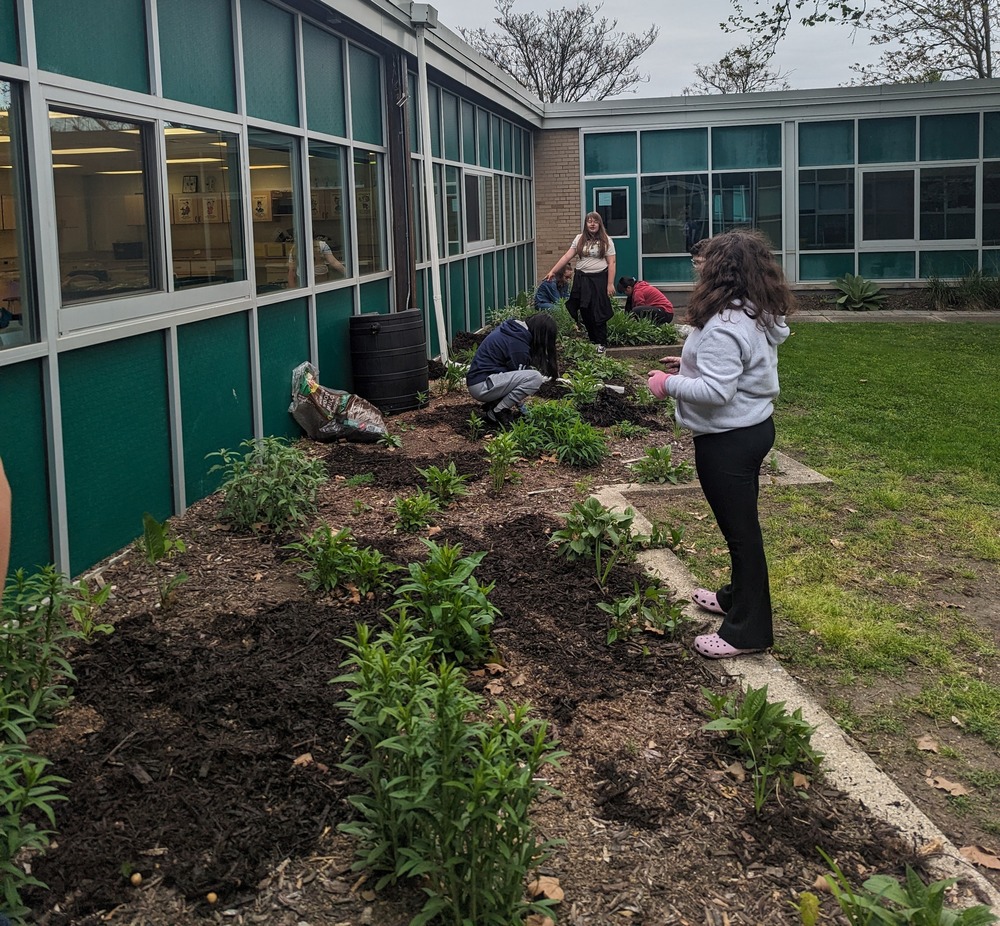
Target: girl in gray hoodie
[{"x": 724, "y": 386}]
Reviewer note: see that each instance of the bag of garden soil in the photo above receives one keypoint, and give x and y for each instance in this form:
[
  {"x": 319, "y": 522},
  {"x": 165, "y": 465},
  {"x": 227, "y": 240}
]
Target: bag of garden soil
[{"x": 331, "y": 414}]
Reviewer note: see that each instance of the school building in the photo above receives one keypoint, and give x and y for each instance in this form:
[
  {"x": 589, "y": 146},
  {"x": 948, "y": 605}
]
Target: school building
[{"x": 161, "y": 159}]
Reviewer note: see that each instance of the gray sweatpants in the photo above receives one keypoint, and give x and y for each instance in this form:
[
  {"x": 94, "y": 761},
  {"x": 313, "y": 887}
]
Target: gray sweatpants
[{"x": 508, "y": 389}]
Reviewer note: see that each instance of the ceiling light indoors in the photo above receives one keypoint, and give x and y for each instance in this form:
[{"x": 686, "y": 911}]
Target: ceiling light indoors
[{"x": 91, "y": 150}]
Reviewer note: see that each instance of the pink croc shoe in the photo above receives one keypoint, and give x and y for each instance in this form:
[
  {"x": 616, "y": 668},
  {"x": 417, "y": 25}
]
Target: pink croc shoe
[
  {"x": 707, "y": 600},
  {"x": 712, "y": 646}
]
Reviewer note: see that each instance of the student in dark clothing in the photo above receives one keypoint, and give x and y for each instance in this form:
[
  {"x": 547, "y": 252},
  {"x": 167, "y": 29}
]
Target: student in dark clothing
[
  {"x": 646, "y": 301},
  {"x": 550, "y": 292},
  {"x": 511, "y": 364}
]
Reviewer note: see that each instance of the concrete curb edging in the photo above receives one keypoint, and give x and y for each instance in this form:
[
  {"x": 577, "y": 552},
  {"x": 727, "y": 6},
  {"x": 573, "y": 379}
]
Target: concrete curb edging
[{"x": 845, "y": 764}]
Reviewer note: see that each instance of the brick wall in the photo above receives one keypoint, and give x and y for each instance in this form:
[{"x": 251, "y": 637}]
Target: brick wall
[{"x": 557, "y": 195}]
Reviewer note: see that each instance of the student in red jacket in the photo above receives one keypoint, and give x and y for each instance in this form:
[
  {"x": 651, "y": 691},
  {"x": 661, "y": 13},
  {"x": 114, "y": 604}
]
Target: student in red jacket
[{"x": 646, "y": 300}]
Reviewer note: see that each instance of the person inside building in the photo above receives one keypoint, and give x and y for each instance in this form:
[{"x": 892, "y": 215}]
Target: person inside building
[
  {"x": 512, "y": 363},
  {"x": 551, "y": 292},
  {"x": 324, "y": 261},
  {"x": 646, "y": 301}
]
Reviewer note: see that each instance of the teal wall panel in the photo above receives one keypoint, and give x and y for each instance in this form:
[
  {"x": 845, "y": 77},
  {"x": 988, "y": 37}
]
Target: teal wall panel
[
  {"x": 283, "y": 331},
  {"x": 106, "y": 43},
  {"x": 610, "y": 153},
  {"x": 456, "y": 298},
  {"x": 991, "y": 263},
  {"x": 826, "y": 143},
  {"x": 375, "y": 297},
  {"x": 626, "y": 249},
  {"x": 474, "y": 265},
  {"x": 666, "y": 270},
  {"x": 500, "y": 292},
  {"x": 269, "y": 62},
  {"x": 674, "y": 150},
  {"x": 825, "y": 266},
  {"x": 881, "y": 141},
  {"x": 333, "y": 328},
  {"x": 366, "y": 96},
  {"x": 8, "y": 32},
  {"x": 489, "y": 285},
  {"x": 324, "y": 65},
  {"x": 949, "y": 136},
  {"x": 116, "y": 432},
  {"x": 949, "y": 264},
  {"x": 198, "y": 64},
  {"x": 216, "y": 396},
  {"x": 512, "y": 282},
  {"x": 887, "y": 265},
  {"x": 22, "y": 446},
  {"x": 743, "y": 147},
  {"x": 991, "y": 135},
  {"x": 449, "y": 119}
]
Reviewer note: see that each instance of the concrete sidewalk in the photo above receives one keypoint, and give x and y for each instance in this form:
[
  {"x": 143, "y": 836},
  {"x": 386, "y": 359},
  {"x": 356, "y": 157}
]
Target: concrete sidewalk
[
  {"x": 894, "y": 315},
  {"x": 845, "y": 764}
]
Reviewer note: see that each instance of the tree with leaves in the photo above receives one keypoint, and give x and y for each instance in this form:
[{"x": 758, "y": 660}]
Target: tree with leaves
[
  {"x": 926, "y": 40},
  {"x": 745, "y": 69},
  {"x": 564, "y": 55}
]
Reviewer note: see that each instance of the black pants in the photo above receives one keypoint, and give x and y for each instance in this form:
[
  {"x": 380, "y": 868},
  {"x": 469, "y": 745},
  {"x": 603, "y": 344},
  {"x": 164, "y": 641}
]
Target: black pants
[
  {"x": 590, "y": 303},
  {"x": 728, "y": 466}
]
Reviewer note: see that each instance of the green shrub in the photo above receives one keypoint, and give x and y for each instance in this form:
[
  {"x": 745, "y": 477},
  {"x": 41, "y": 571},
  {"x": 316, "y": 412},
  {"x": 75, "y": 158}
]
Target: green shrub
[
  {"x": 628, "y": 330},
  {"x": 858, "y": 293},
  {"x": 657, "y": 466},
  {"x": 334, "y": 559},
  {"x": 598, "y": 533},
  {"x": 650, "y": 609},
  {"x": 446, "y": 484},
  {"x": 448, "y": 789},
  {"x": 772, "y": 742},
  {"x": 414, "y": 512},
  {"x": 158, "y": 546},
  {"x": 555, "y": 426},
  {"x": 578, "y": 444},
  {"x": 270, "y": 484},
  {"x": 501, "y": 453},
  {"x": 629, "y": 430},
  {"x": 582, "y": 386},
  {"x": 445, "y": 601}
]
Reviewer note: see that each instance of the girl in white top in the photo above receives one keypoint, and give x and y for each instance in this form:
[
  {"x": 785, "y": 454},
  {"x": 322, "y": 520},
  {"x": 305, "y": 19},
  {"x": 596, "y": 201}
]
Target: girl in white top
[{"x": 593, "y": 279}]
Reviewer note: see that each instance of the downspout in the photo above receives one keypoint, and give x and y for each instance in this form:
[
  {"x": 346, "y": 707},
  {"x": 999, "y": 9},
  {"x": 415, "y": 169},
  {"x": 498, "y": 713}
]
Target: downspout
[{"x": 424, "y": 16}]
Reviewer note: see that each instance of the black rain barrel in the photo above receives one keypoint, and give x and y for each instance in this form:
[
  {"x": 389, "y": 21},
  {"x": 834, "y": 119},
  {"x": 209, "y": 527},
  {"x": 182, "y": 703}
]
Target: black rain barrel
[{"x": 389, "y": 356}]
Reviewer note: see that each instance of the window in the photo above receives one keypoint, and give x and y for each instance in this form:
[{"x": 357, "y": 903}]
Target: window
[
  {"x": 748, "y": 200},
  {"x": 887, "y": 205},
  {"x": 947, "y": 203},
  {"x": 480, "y": 210},
  {"x": 331, "y": 259},
  {"x": 103, "y": 212},
  {"x": 612, "y": 205},
  {"x": 674, "y": 212},
  {"x": 674, "y": 149},
  {"x": 18, "y": 323},
  {"x": 508, "y": 210},
  {"x": 991, "y": 202},
  {"x": 452, "y": 211},
  {"x": 419, "y": 217},
  {"x": 746, "y": 146},
  {"x": 274, "y": 206},
  {"x": 369, "y": 201},
  {"x": 609, "y": 153},
  {"x": 206, "y": 224},
  {"x": 826, "y": 209},
  {"x": 884, "y": 140},
  {"x": 826, "y": 143}
]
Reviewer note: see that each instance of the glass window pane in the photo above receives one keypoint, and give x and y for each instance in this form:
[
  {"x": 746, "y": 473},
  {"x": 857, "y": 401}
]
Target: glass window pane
[
  {"x": 887, "y": 205},
  {"x": 468, "y": 132},
  {"x": 991, "y": 202},
  {"x": 609, "y": 153},
  {"x": 102, "y": 195},
  {"x": 508, "y": 147},
  {"x": 449, "y": 118},
  {"x": 657, "y": 270},
  {"x": 419, "y": 218},
  {"x": 197, "y": 65},
  {"x": 366, "y": 97},
  {"x": 825, "y": 266},
  {"x": 484, "y": 138},
  {"x": 826, "y": 143},
  {"x": 324, "y": 67},
  {"x": 826, "y": 209},
  {"x": 508, "y": 210},
  {"x": 369, "y": 201},
  {"x": 991, "y": 263},
  {"x": 274, "y": 203},
  {"x": 434, "y": 108},
  {"x": 206, "y": 222},
  {"x": 674, "y": 212},
  {"x": 947, "y": 203},
  {"x": 745, "y": 146},
  {"x": 496, "y": 132},
  {"x": 411, "y": 112},
  {"x": 269, "y": 62},
  {"x": 331, "y": 251},
  {"x": 888, "y": 265},
  {"x": 9, "y": 50},
  {"x": 612, "y": 205},
  {"x": 884, "y": 140},
  {"x": 748, "y": 200},
  {"x": 18, "y": 314},
  {"x": 949, "y": 137},
  {"x": 674, "y": 149},
  {"x": 991, "y": 135},
  {"x": 453, "y": 210},
  {"x": 948, "y": 264}
]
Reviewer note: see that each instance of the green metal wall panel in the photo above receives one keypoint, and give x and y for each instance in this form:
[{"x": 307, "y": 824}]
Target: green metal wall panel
[
  {"x": 888, "y": 265},
  {"x": 333, "y": 327},
  {"x": 500, "y": 292},
  {"x": 434, "y": 111},
  {"x": 22, "y": 446},
  {"x": 489, "y": 285},
  {"x": 950, "y": 136},
  {"x": 674, "y": 150},
  {"x": 825, "y": 266},
  {"x": 512, "y": 282},
  {"x": 216, "y": 396},
  {"x": 8, "y": 32},
  {"x": 269, "y": 62},
  {"x": 324, "y": 64},
  {"x": 375, "y": 297},
  {"x": 667, "y": 270},
  {"x": 474, "y": 265},
  {"x": 198, "y": 64},
  {"x": 366, "y": 96},
  {"x": 283, "y": 331},
  {"x": 991, "y": 263},
  {"x": 991, "y": 135},
  {"x": 468, "y": 132},
  {"x": 743, "y": 147},
  {"x": 456, "y": 298},
  {"x": 609, "y": 153},
  {"x": 826, "y": 143},
  {"x": 881, "y": 141},
  {"x": 449, "y": 118},
  {"x": 116, "y": 431},
  {"x": 948, "y": 264},
  {"x": 106, "y": 43}
]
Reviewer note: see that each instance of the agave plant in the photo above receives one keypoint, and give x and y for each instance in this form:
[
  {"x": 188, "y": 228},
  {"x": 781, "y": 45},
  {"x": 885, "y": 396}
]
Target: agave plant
[{"x": 859, "y": 294}]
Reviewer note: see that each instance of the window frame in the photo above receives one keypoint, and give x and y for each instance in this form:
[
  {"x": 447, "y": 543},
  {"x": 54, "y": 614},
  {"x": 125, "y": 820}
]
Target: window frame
[
  {"x": 480, "y": 176},
  {"x": 596, "y": 190}
]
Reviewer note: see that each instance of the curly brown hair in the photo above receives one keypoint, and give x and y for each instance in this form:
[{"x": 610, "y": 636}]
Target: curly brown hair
[{"x": 739, "y": 265}]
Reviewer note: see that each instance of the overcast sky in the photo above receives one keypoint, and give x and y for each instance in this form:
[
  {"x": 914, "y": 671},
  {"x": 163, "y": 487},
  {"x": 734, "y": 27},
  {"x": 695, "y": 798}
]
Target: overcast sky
[{"x": 690, "y": 35}]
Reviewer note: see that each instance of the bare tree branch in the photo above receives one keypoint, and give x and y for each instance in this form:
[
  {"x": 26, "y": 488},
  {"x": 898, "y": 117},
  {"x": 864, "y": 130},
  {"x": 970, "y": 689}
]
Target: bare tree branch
[{"x": 743, "y": 70}]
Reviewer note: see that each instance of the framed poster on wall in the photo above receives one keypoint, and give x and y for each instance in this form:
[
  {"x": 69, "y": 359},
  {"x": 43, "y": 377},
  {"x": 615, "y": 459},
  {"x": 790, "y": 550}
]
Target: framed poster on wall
[{"x": 261, "y": 203}]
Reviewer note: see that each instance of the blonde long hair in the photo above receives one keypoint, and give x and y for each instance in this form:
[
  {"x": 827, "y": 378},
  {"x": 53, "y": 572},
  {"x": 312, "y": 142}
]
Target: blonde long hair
[{"x": 586, "y": 239}]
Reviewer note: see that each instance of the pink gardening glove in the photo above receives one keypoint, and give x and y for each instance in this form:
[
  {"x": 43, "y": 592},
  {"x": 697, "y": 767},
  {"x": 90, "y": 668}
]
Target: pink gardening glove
[{"x": 657, "y": 383}]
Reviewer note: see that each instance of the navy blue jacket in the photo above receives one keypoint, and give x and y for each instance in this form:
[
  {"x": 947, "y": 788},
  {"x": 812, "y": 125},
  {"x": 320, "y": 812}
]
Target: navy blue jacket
[
  {"x": 549, "y": 293},
  {"x": 504, "y": 350}
]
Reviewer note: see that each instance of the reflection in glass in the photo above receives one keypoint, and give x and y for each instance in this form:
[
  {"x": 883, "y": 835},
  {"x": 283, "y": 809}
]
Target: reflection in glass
[
  {"x": 674, "y": 212},
  {"x": 206, "y": 222},
  {"x": 18, "y": 318},
  {"x": 274, "y": 207},
  {"x": 991, "y": 202},
  {"x": 102, "y": 191},
  {"x": 947, "y": 203},
  {"x": 369, "y": 203},
  {"x": 750, "y": 199},
  {"x": 331, "y": 258},
  {"x": 480, "y": 209},
  {"x": 826, "y": 208},
  {"x": 453, "y": 211},
  {"x": 887, "y": 205},
  {"x": 419, "y": 219}
]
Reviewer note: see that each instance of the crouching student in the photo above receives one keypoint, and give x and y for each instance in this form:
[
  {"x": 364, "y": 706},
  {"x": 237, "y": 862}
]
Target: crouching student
[
  {"x": 512, "y": 363},
  {"x": 646, "y": 301},
  {"x": 551, "y": 292}
]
